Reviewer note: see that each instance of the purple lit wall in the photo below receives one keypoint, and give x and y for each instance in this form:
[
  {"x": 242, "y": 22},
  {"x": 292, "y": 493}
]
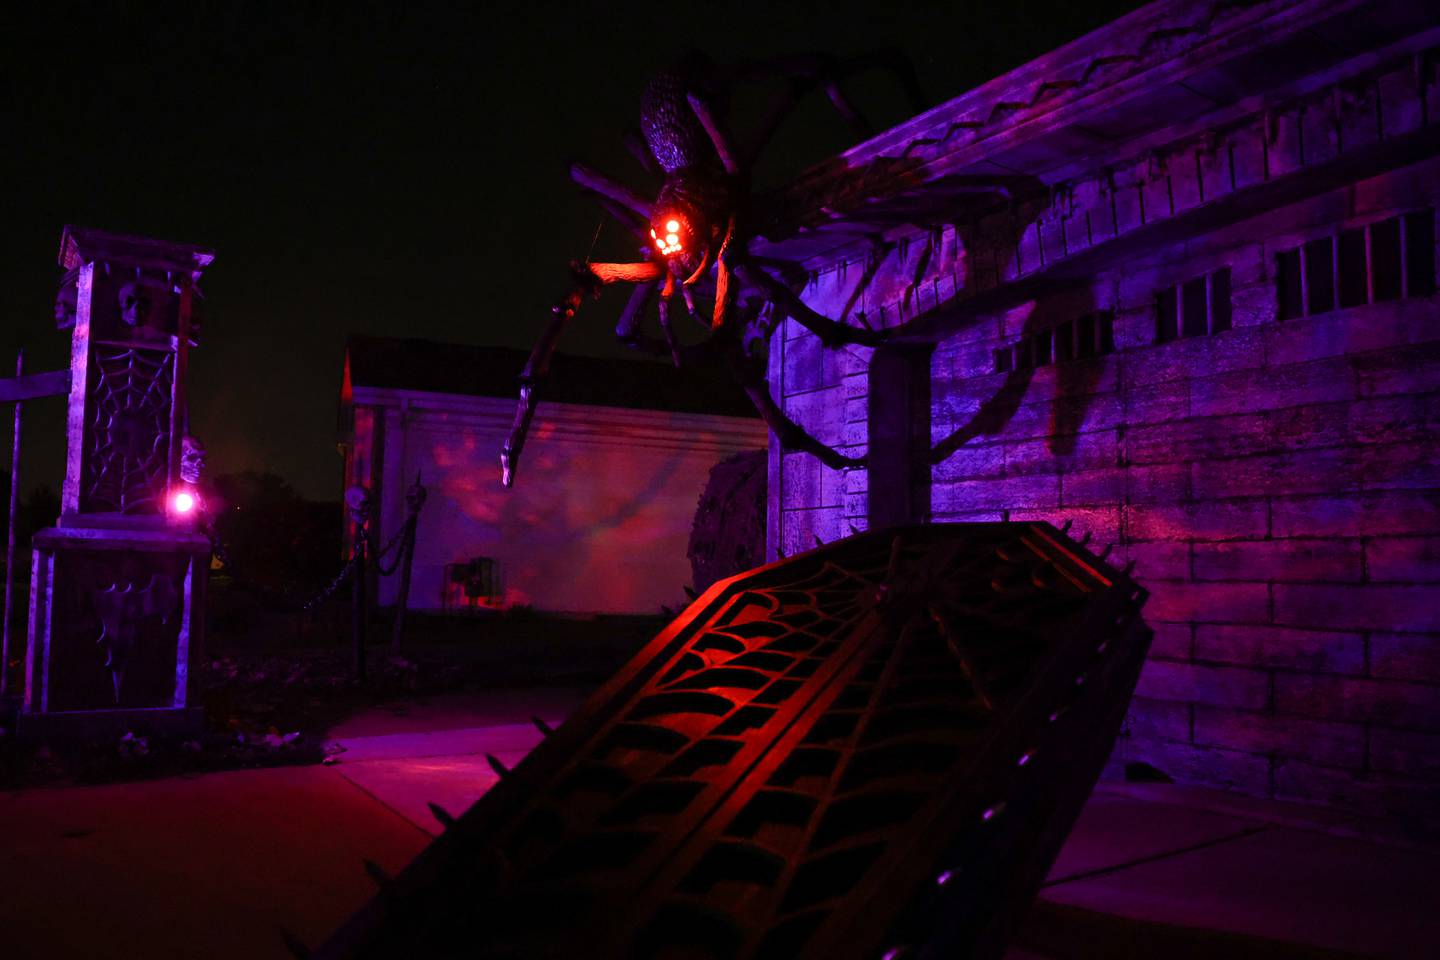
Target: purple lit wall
[
  {"x": 1214, "y": 347},
  {"x": 597, "y": 523}
]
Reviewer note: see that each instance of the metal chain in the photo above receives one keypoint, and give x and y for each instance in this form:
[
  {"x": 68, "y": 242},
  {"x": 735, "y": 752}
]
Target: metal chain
[
  {"x": 348, "y": 569},
  {"x": 394, "y": 540},
  {"x": 335, "y": 584},
  {"x": 407, "y": 544}
]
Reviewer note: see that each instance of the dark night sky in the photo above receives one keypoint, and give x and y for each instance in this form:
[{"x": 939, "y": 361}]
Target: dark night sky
[{"x": 387, "y": 169}]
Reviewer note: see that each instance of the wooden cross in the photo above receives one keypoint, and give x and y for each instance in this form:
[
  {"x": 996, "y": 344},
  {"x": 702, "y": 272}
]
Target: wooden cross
[
  {"x": 30, "y": 386},
  {"x": 16, "y": 390}
]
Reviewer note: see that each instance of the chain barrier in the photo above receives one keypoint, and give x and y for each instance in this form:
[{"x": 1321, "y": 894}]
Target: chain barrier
[
  {"x": 335, "y": 584},
  {"x": 404, "y": 538},
  {"x": 401, "y": 535},
  {"x": 385, "y": 550}
]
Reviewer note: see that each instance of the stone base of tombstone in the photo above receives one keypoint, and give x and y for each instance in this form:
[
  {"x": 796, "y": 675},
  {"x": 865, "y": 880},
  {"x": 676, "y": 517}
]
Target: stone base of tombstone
[{"x": 115, "y": 615}]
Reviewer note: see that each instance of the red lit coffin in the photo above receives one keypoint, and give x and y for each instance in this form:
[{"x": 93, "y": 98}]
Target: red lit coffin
[{"x": 874, "y": 749}]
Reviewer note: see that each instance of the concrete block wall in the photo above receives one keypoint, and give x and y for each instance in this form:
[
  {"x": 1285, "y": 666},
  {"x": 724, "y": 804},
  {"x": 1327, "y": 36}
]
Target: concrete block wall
[{"x": 1277, "y": 486}]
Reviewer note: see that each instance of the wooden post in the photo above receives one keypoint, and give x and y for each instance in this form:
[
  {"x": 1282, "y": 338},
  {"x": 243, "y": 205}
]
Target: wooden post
[
  {"x": 10, "y": 534},
  {"x": 415, "y": 498},
  {"x": 357, "y": 597},
  {"x": 179, "y": 407},
  {"x": 402, "y": 598}
]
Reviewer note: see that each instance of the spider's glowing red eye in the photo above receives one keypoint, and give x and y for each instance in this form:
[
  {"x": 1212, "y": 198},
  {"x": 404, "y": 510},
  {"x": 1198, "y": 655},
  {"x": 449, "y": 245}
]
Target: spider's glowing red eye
[{"x": 671, "y": 239}]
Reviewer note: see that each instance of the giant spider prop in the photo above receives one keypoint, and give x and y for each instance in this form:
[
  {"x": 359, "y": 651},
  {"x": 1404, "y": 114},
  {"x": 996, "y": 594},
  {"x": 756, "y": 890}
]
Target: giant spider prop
[{"x": 696, "y": 234}]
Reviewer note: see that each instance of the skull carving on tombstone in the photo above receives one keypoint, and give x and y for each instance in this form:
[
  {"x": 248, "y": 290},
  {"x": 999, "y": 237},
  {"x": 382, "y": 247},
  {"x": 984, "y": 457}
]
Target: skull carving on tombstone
[
  {"x": 192, "y": 460},
  {"x": 66, "y": 299},
  {"x": 357, "y": 504},
  {"x": 135, "y": 305}
]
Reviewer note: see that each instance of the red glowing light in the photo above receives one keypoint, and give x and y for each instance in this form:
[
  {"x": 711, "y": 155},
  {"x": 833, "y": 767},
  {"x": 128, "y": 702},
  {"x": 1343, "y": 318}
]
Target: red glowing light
[
  {"x": 184, "y": 502},
  {"x": 671, "y": 240}
]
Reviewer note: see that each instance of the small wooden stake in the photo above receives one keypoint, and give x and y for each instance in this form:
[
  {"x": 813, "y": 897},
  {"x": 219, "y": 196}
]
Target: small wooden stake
[{"x": 10, "y": 535}]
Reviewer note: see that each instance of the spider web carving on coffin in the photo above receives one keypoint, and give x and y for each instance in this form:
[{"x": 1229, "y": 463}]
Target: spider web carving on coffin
[
  {"x": 789, "y": 768},
  {"x": 129, "y": 434}
]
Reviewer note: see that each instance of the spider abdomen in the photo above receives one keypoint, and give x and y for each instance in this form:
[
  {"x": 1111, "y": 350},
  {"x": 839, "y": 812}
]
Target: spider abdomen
[{"x": 674, "y": 135}]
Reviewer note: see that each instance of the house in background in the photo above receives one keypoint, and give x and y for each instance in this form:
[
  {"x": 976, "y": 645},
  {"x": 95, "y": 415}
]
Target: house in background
[
  {"x": 600, "y": 514},
  {"x": 1173, "y": 283}
]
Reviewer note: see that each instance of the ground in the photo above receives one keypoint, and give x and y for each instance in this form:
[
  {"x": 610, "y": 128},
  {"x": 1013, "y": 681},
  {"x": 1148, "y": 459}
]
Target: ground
[
  {"x": 215, "y": 864},
  {"x": 268, "y": 701}
]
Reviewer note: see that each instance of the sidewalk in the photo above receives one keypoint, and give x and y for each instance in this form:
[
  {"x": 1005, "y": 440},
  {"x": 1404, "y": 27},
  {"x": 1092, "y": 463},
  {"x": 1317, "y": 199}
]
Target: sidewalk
[
  {"x": 435, "y": 752},
  {"x": 205, "y": 867},
  {"x": 1150, "y": 870},
  {"x": 1156, "y": 870},
  {"x": 213, "y": 866}
]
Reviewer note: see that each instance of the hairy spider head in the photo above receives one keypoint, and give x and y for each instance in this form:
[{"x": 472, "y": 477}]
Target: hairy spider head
[{"x": 686, "y": 212}]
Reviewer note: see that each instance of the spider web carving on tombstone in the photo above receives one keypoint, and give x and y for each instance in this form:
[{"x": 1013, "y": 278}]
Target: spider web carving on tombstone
[{"x": 129, "y": 435}]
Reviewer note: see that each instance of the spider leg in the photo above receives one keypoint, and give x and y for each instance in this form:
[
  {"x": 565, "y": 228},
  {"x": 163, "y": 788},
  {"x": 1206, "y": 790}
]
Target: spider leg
[
  {"x": 627, "y": 329},
  {"x": 535, "y": 368},
  {"x": 830, "y": 332},
  {"x": 586, "y": 281},
  {"x": 780, "y": 108},
  {"x": 625, "y": 217},
  {"x": 723, "y": 294},
  {"x": 834, "y": 71},
  {"x": 641, "y": 152},
  {"x": 607, "y": 273},
  {"x": 827, "y": 73},
  {"x": 597, "y": 182},
  {"x": 724, "y": 146},
  {"x": 789, "y": 433},
  {"x": 664, "y": 310}
]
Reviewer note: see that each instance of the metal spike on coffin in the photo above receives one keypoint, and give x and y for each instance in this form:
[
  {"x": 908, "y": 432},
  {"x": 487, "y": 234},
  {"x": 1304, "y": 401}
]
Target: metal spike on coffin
[{"x": 872, "y": 749}]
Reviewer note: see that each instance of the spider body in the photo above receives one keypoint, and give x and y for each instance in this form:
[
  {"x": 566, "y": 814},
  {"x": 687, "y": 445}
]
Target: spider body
[
  {"x": 698, "y": 196},
  {"x": 673, "y": 134},
  {"x": 693, "y": 235}
]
